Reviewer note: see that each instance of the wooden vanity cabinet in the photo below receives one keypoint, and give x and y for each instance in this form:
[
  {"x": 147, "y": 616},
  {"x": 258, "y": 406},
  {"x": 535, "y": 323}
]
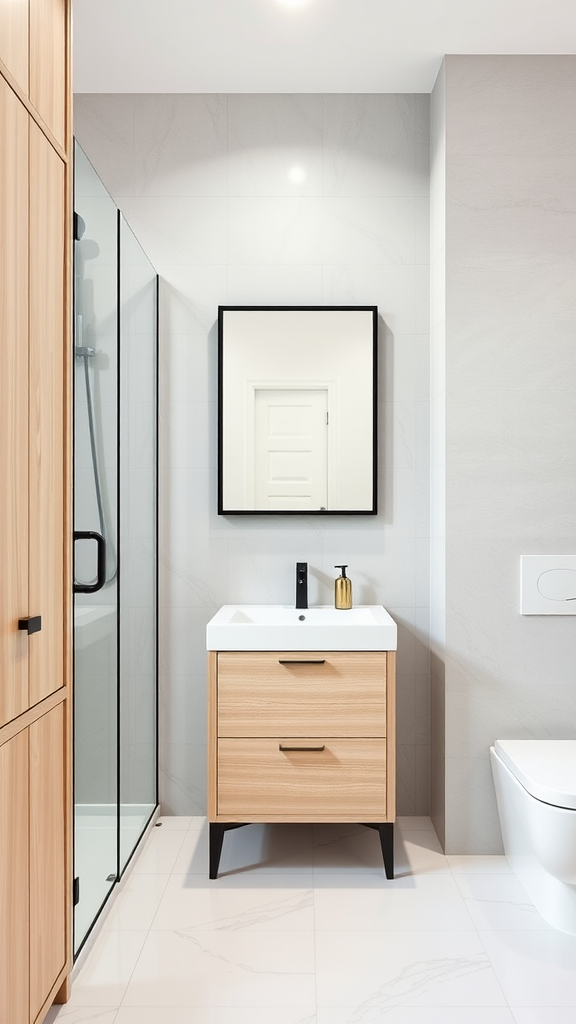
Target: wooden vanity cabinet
[{"x": 301, "y": 737}]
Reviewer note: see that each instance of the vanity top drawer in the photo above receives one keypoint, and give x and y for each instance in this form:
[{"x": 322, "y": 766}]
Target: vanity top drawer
[{"x": 276, "y": 693}]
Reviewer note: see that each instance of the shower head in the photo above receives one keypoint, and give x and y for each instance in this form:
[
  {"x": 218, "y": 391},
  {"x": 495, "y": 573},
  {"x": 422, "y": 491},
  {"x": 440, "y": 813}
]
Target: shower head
[{"x": 84, "y": 352}]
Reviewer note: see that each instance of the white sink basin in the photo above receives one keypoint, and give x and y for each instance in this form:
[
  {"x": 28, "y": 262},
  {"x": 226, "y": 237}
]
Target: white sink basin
[{"x": 253, "y": 627}]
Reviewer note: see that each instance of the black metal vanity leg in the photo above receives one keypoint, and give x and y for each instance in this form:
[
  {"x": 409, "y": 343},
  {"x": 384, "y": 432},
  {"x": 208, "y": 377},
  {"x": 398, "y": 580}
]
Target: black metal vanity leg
[
  {"x": 216, "y": 838},
  {"x": 386, "y": 832}
]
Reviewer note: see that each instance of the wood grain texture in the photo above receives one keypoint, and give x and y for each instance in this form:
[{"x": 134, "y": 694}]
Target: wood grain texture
[
  {"x": 391, "y": 736},
  {"x": 14, "y": 934},
  {"x": 345, "y": 696},
  {"x": 346, "y": 778},
  {"x": 48, "y": 363},
  {"x": 212, "y": 735},
  {"x": 47, "y": 855},
  {"x": 13, "y": 403},
  {"x": 14, "y": 39},
  {"x": 48, "y": 56}
]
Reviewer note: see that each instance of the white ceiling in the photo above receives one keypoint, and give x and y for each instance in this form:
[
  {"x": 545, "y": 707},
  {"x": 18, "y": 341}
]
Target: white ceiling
[{"x": 323, "y": 46}]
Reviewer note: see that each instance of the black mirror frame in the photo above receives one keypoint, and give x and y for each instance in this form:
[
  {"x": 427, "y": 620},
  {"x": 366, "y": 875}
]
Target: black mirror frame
[{"x": 316, "y": 512}]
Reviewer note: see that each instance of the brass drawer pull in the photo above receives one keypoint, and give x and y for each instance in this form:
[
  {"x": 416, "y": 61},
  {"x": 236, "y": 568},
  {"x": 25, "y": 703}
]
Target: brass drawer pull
[
  {"x": 282, "y": 747},
  {"x": 301, "y": 661}
]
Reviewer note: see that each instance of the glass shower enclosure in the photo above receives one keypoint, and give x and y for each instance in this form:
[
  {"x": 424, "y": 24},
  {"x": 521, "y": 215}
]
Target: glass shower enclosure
[{"x": 115, "y": 544}]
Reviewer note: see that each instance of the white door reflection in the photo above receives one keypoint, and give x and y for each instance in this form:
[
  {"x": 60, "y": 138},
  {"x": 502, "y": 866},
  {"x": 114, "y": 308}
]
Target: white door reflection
[{"x": 290, "y": 449}]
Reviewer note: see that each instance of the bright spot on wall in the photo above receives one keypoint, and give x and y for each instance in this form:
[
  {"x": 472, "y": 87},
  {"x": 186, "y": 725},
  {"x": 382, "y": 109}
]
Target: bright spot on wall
[
  {"x": 293, "y": 3},
  {"x": 296, "y": 175}
]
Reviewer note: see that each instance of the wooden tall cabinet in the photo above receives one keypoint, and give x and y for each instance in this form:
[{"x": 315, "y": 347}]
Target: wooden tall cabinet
[{"x": 35, "y": 509}]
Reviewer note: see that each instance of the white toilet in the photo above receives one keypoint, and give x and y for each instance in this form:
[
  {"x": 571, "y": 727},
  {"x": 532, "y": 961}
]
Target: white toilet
[{"x": 535, "y": 783}]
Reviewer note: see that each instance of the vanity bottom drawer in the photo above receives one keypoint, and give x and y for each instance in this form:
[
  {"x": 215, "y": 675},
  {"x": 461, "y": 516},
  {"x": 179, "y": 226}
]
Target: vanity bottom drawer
[{"x": 324, "y": 780}]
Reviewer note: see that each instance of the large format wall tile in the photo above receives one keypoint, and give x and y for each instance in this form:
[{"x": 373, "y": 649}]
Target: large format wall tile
[
  {"x": 272, "y": 200},
  {"x": 275, "y": 145},
  {"x": 180, "y": 145},
  {"x": 510, "y": 429}
]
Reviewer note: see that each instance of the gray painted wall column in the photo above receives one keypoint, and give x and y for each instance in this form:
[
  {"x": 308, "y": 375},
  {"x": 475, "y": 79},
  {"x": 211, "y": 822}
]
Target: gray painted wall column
[{"x": 510, "y": 415}]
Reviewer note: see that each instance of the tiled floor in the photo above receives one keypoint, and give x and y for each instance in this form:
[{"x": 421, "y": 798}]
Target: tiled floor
[{"x": 302, "y": 927}]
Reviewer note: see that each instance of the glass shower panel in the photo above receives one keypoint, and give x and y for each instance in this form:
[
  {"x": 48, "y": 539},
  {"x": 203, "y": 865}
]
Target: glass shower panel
[
  {"x": 138, "y": 532},
  {"x": 96, "y": 514}
]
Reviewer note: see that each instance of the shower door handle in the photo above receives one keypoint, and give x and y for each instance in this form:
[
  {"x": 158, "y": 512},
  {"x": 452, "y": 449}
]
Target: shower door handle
[{"x": 91, "y": 588}]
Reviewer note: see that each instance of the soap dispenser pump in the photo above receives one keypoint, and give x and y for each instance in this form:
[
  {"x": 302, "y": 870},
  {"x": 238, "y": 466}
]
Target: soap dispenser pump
[{"x": 342, "y": 589}]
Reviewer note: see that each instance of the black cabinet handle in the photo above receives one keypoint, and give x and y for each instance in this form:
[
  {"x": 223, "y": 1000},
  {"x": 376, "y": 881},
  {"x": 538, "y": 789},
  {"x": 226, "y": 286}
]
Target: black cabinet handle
[
  {"x": 91, "y": 588},
  {"x": 32, "y": 624},
  {"x": 282, "y": 747},
  {"x": 301, "y": 661}
]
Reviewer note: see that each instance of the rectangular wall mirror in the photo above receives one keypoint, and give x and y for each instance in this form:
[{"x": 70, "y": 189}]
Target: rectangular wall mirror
[{"x": 297, "y": 409}]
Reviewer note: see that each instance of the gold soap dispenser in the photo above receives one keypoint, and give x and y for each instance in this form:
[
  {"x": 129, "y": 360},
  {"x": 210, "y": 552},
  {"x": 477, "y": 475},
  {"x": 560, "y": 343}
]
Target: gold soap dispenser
[{"x": 342, "y": 589}]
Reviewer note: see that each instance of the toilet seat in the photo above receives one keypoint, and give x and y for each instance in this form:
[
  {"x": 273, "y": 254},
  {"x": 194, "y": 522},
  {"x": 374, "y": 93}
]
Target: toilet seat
[{"x": 545, "y": 768}]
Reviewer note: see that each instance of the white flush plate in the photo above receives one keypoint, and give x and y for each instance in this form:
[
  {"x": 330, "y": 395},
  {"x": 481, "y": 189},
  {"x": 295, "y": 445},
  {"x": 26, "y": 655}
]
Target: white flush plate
[{"x": 548, "y": 585}]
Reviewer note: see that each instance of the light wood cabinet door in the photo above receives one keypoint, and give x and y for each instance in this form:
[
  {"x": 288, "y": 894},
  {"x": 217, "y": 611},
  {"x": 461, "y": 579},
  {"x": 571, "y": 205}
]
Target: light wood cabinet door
[
  {"x": 47, "y": 855},
  {"x": 13, "y": 403},
  {"x": 48, "y": 42},
  {"x": 14, "y": 934},
  {"x": 14, "y": 40},
  {"x": 46, "y": 412}
]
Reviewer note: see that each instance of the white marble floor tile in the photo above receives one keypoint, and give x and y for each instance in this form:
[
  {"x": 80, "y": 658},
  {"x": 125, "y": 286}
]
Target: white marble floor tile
[
  {"x": 192, "y": 857},
  {"x": 160, "y": 853},
  {"x": 346, "y": 902},
  {"x": 498, "y": 902},
  {"x": 261, "y": 902},
  {"x": 534, "y": 968},
  {"x": 303, "y": 927},
  {"x": 378, "y": 971},
  {"x": 224, "y": 969},
  {"x": 103, "y": 979},
  {"x": 136, "y": 905},
  {"x": 67, "y": 1014},
  {"x": 478, "y": 865},
  {"x": 353, "y": 848},
  {"x": 415, "y": 1015},
  {"x": 544, "y": 1014},
  {"x": 219, "y": 1015},
  {"x": 271, "y": 848},
  {"x": 418, "y": 852}
]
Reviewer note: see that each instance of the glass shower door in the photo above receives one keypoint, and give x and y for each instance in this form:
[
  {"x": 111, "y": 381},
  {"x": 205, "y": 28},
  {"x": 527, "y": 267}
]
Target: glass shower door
[
  {"x": 138, "y": 528},
  {"x": 96, "y": 541}
]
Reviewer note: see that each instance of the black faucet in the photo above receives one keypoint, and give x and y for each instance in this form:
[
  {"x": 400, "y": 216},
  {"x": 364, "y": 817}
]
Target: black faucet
[{"x": 301, "y": 584}]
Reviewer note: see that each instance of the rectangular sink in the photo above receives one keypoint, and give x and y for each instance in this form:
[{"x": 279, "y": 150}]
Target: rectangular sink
[{"x": 284, "y": 628}]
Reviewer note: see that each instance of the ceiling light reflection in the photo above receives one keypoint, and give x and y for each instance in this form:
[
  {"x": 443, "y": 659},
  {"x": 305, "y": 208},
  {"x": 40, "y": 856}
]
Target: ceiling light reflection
[
  {"x": 293, "y": 3},
  {"x": 296, "y": 175}
]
